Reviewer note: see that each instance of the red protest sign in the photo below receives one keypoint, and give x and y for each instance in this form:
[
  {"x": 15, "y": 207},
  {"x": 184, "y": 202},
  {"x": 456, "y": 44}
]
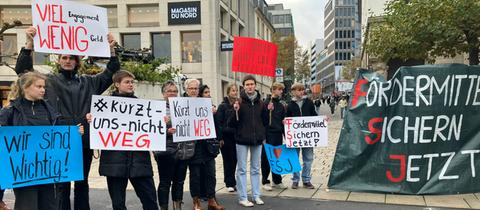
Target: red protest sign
[{"x": 254, "y": 56}]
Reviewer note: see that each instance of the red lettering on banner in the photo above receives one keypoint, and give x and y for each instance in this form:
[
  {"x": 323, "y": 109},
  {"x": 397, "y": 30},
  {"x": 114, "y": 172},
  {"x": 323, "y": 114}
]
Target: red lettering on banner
[
  {"x": 68, "y": 36},
  {"x": 141, "y": 141},
  {"x": 51, "y": 12},
  {"x": 109, "y": 138},
  {"x": 201, "y": 128},
  {"x": 358, "y": 91},
  {"x": 403, "y": 167},
  {"x": 373, "y": 130}
]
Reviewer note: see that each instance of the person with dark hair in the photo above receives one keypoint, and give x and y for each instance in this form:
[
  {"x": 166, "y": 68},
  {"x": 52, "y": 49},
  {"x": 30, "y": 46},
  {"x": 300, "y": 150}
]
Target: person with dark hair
[
  {"x": 226, "y": 137},
  {"x": 302, "y": 106},
  {"x": 203, "y": 160},
  {"x": 28, "y": 108},
  {"x": 122, "y": 166},
  {"x": 248, "y": 120},
  {"x": 274, "y": 134},
  {"x": 171, "y": 170},
  {"x": 71, "y": 94}
]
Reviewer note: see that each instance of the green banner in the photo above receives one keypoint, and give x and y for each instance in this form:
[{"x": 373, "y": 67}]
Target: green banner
[{"x": 418, "y": 133}]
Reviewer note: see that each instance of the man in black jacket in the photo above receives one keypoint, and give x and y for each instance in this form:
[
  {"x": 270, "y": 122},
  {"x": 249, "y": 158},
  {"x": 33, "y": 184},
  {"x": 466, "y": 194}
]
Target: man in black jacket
[{"x": 71, "y": 95}]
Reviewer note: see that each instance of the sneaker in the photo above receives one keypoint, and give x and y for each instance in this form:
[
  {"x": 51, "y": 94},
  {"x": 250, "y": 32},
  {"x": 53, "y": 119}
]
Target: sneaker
[
  {"x": 267, "y": 187},
  {"x": 308, "y": 185},
  {"x": 295, "y": 185},
  {"x": 259, "y": 201},
  {"x": 279, "y": 186},
  {"x": 246, "y": 203},
  {"x": 230, "y": 189}
]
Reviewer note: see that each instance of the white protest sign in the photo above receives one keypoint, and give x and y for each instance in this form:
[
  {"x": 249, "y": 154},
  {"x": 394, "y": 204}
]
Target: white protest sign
[
  {"x": 193, "y": 118},
  {"x": 68, "y": 27},
  {"x": 121, "y": 123},
  {"x": 306, "y": 131}
]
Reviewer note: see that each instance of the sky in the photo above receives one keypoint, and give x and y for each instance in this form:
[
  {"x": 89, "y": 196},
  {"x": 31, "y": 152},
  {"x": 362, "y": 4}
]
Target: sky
[{"x": 307, "y": 18}]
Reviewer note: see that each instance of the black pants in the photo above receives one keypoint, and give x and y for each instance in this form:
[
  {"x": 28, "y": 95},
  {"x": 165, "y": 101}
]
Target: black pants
[
  {"x": 210, "y": 180},
  {"x": 1, "y": 194},
  {"x": 81, "y": 199},
  {"x": 229, "y": 155},
  {"x": 332, "y": 109},
  {"x": 172, "y": 172},
  {"x": 144, "y": 188},
  {"x": 274, "y": 139},
  {"x": 39, "y": 197}
]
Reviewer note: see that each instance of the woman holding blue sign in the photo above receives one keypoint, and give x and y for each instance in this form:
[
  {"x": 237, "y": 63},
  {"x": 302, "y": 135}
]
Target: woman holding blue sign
[
  {"x": 27, "y": 108},
  {"x": 122, "y": 166}
]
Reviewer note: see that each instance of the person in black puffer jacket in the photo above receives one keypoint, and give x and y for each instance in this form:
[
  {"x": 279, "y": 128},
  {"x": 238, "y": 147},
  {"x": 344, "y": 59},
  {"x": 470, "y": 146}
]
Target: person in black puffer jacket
[
  {"x": 249, "y": 122},
  {"x": 71, "y": 95},
  {"x": 171, "y": 170},
  {"x": 28, "y": 108},
  {"x": 226, "y": 137},
  {"x": 121, "y": 166}
]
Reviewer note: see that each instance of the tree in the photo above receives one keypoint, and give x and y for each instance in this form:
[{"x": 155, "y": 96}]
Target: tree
[
  {"x": 302, "y": 64},
  {"x": 349, "y": 69},
  {"x": 425, "y": 29},
  {"x": 286, "y": 53}
]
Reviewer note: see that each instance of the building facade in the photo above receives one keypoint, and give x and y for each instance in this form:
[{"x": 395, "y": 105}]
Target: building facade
[
  {"x": 282, "y": 20},
  {"x": 342, "y": 40},
  {"x": 315, "y": 49},
  {"x": 192, "y": 45}
]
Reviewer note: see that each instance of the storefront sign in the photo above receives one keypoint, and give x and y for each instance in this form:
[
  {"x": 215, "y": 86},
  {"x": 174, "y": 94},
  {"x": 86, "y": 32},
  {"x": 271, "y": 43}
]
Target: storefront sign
[
  {"x": 226, "y": 45},
  {"x": 184, "y": 13}
]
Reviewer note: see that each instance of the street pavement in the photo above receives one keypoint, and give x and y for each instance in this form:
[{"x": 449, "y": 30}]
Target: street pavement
[{"x": 319, "y": 198}]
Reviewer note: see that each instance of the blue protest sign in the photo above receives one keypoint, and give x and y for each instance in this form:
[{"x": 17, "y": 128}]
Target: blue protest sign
[
  {"x": 282, "y": 160},
  {"x": 33, "y": 155}
]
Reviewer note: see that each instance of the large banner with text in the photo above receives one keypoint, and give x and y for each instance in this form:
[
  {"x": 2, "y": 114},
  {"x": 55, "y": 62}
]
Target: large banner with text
[
  {"x": 69, "y": 27},
  {"x": 122, "y": 123},
  {"x": 34, "y": 155},
  {"x": 192, "y": 118},
  {"x": 418, "y": 133}
]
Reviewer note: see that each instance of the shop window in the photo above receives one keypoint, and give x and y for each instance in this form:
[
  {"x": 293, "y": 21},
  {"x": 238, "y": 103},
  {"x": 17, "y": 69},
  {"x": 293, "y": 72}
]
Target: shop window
[
  {"x": 144, "y": 15},
  {"x": 161, "y": 45},
  {"x": 131, "y": 41},
  {"x": 191, "y": 47}
]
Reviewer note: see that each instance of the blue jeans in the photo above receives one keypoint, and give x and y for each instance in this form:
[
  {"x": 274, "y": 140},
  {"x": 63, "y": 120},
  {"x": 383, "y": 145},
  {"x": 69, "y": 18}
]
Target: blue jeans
[
  {"x": 242, "y": 154},
  {"x": 307, "y": 158}
]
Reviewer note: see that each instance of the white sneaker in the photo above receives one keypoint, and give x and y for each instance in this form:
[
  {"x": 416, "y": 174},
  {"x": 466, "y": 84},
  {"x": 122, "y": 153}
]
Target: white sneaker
[
  {"x": 230, "y": 189},
  {"x": 267, "y": 187},
  {"x": 259, "y": 201},
  {"x": 279, "y": 186},
  {"x": 246, "y": 203}
]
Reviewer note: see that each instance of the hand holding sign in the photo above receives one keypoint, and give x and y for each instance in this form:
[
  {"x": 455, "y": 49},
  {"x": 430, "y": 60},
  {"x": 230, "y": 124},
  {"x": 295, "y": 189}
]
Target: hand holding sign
[{"x": 30, "y": 32}]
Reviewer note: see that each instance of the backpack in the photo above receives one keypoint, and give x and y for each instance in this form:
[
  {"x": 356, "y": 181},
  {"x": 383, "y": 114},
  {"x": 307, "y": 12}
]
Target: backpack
[{"x": 186, "y": 150}]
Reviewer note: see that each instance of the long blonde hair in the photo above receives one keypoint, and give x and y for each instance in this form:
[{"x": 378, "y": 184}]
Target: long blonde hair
[{"x": 23, "y": 82}]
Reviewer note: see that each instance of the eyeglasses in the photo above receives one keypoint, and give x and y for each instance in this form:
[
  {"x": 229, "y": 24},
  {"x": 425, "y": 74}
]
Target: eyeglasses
[
  {"x": 192, "y": 88},
  {"x": 171, "y": 91},
  {"x": 129, "y": 81}
]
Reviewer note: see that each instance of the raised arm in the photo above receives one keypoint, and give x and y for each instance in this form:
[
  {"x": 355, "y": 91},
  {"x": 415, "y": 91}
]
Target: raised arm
[{"x": 24, "y": 61}]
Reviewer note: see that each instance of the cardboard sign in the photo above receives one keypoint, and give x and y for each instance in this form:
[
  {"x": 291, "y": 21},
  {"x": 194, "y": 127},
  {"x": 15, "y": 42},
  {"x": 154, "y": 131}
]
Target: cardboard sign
[
  {"x": 34, "y": 155},
  {"x": 282, "y": 160},
  {"x": 121, "y": 123},
  {"x": 68, "y": 27},
  {"x": 306, "y": 131},
  {"x": 193, "y": 118},
  {"x": 254, "y": 56}
]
